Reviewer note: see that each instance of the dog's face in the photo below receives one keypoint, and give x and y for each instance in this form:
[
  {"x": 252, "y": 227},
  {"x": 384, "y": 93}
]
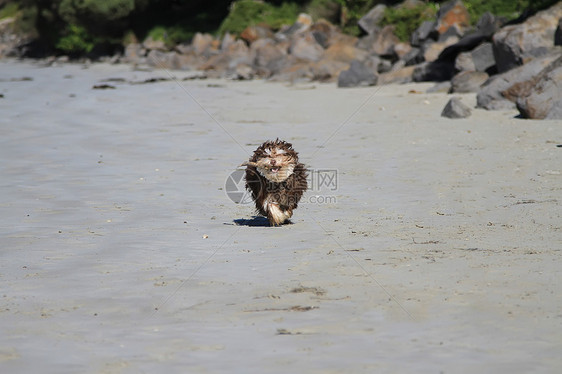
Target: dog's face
[
  {"x": 274, "y": 160},
  {"x": 276, "y": 164}
]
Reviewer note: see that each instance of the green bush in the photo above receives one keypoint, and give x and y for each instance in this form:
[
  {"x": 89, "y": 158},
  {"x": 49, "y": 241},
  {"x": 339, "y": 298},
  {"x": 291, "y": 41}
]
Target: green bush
[
  {"x": 407, "y": 20},
  {"x": 508, "y": 9},
  {"x": 75, "y": 41},
  {"x": 9, "y": 10},
  {"x": 171, "y": 35},
  {"x": 95, "y": 10},
  {"x": 327, "y": 9},
  {"x": 246, "y": 13},
  {"x": 285, "y": 14},
  {"x": 352, "y": 11}
]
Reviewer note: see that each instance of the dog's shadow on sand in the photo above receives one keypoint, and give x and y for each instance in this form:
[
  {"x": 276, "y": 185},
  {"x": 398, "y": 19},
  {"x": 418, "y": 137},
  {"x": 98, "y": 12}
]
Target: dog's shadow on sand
[{"x": 255, "y": 221}]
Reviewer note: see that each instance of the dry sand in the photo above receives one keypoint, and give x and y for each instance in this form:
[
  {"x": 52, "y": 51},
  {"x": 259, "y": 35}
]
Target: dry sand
[{"x": 437, "y": 250}]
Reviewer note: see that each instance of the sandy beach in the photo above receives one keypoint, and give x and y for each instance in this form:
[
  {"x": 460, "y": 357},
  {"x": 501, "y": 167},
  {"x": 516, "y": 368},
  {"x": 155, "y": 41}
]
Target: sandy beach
[{"x": 424, "y": 244}]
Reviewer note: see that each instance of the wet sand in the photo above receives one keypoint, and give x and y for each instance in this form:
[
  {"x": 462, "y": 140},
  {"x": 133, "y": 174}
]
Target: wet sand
[{"x": 424, "y": 245}]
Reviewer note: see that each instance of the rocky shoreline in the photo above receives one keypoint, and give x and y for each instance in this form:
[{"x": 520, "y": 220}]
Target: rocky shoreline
[{"x": 509, "y": 65}]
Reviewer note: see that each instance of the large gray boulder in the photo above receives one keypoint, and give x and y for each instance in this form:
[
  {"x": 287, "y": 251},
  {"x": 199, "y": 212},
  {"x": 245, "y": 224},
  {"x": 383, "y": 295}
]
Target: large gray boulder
[
  {"x": 468, "y": 81},
  {"x": 516, "y": 44},
  {"x": 480, "y": 59},
  {"x": 370, "y": 21},
  {"x": 269, "y": 57},
  {"x": 453, "y": 13},
  {"x": 492, "y": 93},
  {"x": 382, "y": 42},
  {"x": 541, "y": 98},
  {"x": 357, "y": 75},
  {"x": 424, "y": 32},
  {"x": 305, "y": 47}
]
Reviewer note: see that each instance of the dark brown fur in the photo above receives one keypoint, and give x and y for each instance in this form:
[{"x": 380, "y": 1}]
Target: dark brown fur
[{"x": 269, "y": 195}]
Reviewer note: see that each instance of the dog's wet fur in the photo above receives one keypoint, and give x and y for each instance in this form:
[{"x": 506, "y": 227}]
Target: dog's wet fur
[{"x": 276, "y": 180}]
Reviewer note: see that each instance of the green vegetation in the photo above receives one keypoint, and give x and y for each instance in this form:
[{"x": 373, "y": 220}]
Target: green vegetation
[
  {"x": 352, "y": 11},
  {"x": 76, "y": 27},
  {"x": 407, "y": 20},
  {"x": 75, "y": 41},
  {"x": 329, "y": 10},
  {"x": 9, "y": 10},
  {"x": 170, "y": 35},
  {"x": 503, "y": 8},
  {"x": 244, "y": 13}
]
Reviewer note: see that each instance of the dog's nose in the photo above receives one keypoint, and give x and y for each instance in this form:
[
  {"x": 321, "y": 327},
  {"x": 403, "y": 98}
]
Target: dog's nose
[{"x": 272, "y": 162}]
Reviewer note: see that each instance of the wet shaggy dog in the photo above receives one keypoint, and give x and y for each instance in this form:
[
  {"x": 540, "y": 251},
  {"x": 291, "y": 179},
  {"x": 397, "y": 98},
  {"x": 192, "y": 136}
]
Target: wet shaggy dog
[{"x": 276, "y": 180}]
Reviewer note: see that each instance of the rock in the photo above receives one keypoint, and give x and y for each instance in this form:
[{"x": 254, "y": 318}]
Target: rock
[
  {"x": 432, "y": 51},
  {"x": 134, "y": 53},
  {"x": 464, "y": 62},
  {"x": 8, "y": 37},
  {"x": 436, "y": 71},
  {"x": 483, "y": 57},
  {"x": 381, "y": 42},
  {"x": 237, "y": 53},
  {"x": 242, "y": 72},
  {"x": 542, "y": 96},
  {"x": 370, "y": 21},
  {"x": 357, "y": 75},
  {"x": 305, "y": 19},
  {"x": 384, "y": 65},
  {"x": 485, "y": 29},
  {"x": 227, "y": 40},
  {"x": 169, "y": 60},
  {"x": 397, "y": 75},
  {"x": 325, "y": 33},
  {"x": 424, "y": 32},
  {"x": 480, "y": 58},
  {"x": 344, "y": 52},
  {"x": 184, "y": 48},
  {"x": 468, "y": 81},
  {"x": 303, "y": 23},
  {"x": 455, "y": 109},
  {"x": 295, "y": 72},
  {"x": 202, "y": 43},
  {"x": 440, "y": 87},
  {"x": 386, "y": 41},
  {"x": 377, "y": 64},
  {"x": 467, "y": 43},
  {"x": 558, "y": 33},
  {"x": 305, "y": 47},
  {"x": 516, "y": 44},
  {"x": 327, "y": 70},
  {"x": 488, "y": 24},
  {"x": 152, "y": 44},
  {"x": 414, "y": 57},
  {"x": 402, "y": 49},
  {"x": 491, "y": 94},
  {"x": 269, "y": 57},
  {"x": 374, "y": 63},
  {"x": 452, "y": 31},
  {"x": 321, "y": 38},
  {"x": 452, "y": 13},
  {"x": 252, "y": 33}
]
